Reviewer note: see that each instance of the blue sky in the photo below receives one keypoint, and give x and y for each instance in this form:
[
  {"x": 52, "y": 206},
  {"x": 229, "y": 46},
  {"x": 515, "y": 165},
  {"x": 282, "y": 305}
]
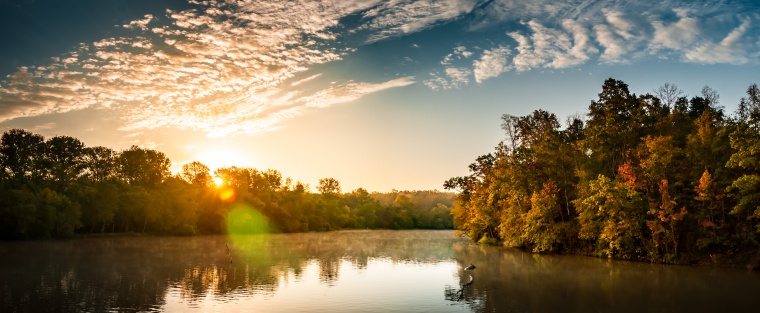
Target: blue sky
[{"x": 377, "y": 94}]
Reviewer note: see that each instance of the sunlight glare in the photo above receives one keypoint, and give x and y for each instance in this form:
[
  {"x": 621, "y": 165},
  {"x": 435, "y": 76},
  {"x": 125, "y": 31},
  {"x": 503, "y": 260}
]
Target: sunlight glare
[{"x": 218, "y": 181}]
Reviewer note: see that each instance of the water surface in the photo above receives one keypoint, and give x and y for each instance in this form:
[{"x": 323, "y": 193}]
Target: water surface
[{"x": 347, "y": 271}]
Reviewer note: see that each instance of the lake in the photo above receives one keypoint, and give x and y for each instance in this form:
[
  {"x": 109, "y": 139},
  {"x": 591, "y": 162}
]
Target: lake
[{"x": 347, "y": 271}]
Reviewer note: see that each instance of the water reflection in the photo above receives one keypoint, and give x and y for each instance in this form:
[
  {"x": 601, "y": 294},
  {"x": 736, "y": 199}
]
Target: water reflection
[
  {"x": 352, "y": 271},
  {"x": 149, "y": 273},
  {"x": 510, "y": 280}
]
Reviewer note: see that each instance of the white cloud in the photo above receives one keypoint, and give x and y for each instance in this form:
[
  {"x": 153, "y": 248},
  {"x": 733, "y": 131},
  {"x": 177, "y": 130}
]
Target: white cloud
[
  {"x": 141, "y": 24},
  {"x": 301, "y": 81},
  {"x": 732, "y": 49},
  {"x": 460, "y": 52},
  {"x": 678, "y": 35},
  {"x": 619, "y": 37},
  {"x": 546, "y": 47},
  {"x": 458, "y": 77},
  {"x": 582, "y": 47},
  {"x": 350, "y": 92},
  {"x": 614, "y": 46},
  {"x": 398, "y": 18},
  {"x": 491, "y": 63},
  {"x": 437, "y": 82}
]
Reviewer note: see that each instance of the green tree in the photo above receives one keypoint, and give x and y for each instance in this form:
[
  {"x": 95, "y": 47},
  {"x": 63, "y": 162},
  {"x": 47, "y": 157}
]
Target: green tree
[
  {"x": 143, "y": 167},
  {"x": 20, "y": 152},
  {"x": 611, "y": 215},
  {"x": 100, "y": 163},
  {"x": 544, "y": 230},
  {"x": 65, "y": 159},
  {"x": 196, "y": 174}
]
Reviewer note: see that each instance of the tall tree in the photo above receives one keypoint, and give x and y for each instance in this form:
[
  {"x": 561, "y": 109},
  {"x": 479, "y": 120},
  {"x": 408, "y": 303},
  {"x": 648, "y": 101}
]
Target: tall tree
[
  {"x": 143, "y": 167},
  {"x": 20, "y": 152},
  {"x": 100, "y": 163},
  {"x": 65, "y": 159},
  {"x": 196, "y": 174}
]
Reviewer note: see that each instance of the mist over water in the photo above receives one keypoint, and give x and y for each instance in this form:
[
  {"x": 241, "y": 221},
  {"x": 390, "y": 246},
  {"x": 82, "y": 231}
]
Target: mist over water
[{"x": 347, "y": 271}]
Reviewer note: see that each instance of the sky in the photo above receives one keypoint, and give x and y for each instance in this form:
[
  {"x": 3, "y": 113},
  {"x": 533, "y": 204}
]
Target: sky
[{"x": 377, "y": 94}]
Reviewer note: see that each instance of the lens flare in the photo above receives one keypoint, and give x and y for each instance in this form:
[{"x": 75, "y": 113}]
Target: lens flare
[
  {"x": 227, "y": 194},
  {"x": 248, "y": 230},
  {"x": 242, "y": 219}
]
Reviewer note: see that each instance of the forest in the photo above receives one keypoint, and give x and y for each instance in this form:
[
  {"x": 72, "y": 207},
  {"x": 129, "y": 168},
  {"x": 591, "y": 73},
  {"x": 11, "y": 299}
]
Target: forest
[
  {"x": 658, "y": 177},
  {"x": 59, "y": 187}
]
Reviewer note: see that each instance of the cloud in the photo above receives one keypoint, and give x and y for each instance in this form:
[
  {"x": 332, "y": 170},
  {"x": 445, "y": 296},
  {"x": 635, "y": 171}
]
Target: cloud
[
  {"x": 220, "y": 69},
  {"x": 491, "y": 63},
  {"x": 552, "y": 48},
  {"x": 301, "y": 81},
  {"x": 460, "y": 52},
  {"x": 458, "y": 76},
  {"x": 141, "y": 24},
  {"x": 451, "y": 78},
  {"x": 455, "y": 74},
  {"x": 350, "y": 92},
  {"x": 398, "y": 18},
  {"x": 619, "y": 37},
  {"x": 678, "y": 35},
  {"x": 732, "y": 49}
]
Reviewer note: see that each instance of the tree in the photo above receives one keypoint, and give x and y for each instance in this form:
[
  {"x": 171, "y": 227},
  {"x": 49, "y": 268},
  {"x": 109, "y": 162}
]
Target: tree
[
  {"x": 611, "y": 215},
  {"x": 20, "y": 152},
  {"x": 668, "y": 93},
  {"x": 544, "y": 229},
  {"x": 613, "y": 128},
  {"x": 663, "y": 226},
  {"x": 65, "y": 160},
  {"x": 143, "y": 167},
  {"x": 196, "y": 174},
  {"x": 329, "y": 186},
  {"x": 100, "y": 163}
]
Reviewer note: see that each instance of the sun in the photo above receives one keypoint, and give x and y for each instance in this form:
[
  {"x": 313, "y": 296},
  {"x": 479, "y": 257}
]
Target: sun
[{"x": 218, "y": 181}]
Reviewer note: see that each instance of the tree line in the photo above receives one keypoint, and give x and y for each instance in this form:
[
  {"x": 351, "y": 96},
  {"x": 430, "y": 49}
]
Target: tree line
[
  {"x": 58, "y": 187},
  {"x": 658, "y": 177}
]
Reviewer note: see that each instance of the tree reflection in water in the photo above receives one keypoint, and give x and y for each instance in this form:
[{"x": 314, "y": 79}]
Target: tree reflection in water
[
  {"x": 512, "y": 280},
  {"x": 134, "y": 273}
]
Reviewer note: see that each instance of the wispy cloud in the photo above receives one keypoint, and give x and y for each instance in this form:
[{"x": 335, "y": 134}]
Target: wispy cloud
[
  {"x": 733, "y": 49},
  {"x": 351, "y": 91},
  {"x": 396, "y": 18}
]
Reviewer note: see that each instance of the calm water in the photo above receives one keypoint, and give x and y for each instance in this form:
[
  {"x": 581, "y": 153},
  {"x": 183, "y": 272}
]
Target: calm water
[{"x": 349, "y": 271}]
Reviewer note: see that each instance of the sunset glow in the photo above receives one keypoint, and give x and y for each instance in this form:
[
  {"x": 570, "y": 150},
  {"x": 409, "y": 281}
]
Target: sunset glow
[{"x": 216, "y": 157}]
